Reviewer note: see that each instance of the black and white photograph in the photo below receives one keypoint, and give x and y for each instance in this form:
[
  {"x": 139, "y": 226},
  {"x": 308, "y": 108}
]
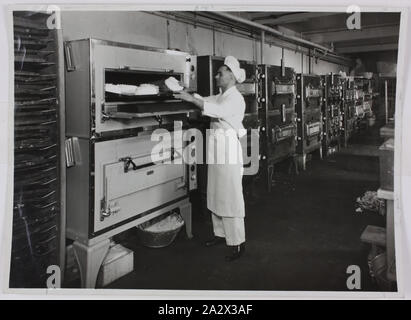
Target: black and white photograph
[{"x": 205, "y": 150}]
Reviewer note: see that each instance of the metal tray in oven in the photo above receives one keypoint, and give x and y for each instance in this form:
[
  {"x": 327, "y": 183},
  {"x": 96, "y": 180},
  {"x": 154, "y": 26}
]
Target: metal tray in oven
[
  {"x": 125, "y": 110},
  {"x": 114, "y": 97}
]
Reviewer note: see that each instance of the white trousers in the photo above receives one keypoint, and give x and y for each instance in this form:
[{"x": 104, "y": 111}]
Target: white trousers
[{"x": 230, "y": 228}]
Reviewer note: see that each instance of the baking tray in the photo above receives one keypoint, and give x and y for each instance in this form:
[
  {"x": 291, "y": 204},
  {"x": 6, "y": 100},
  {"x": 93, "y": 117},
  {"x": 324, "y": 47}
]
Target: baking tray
[
  {"x": 34, "y": 180},
  {"x": 23, "y": 94},
  {"x": 22, "y": 30},
  {"x": 32, "y": 193},
  {"x": 32, "y": 112},
  {"x": 34, "y": 86},
  {"x": 35, "y": 53},
  {"x": 26, "y": 57},
  {"x": 35, "y": 102},
  {"x": 32, "y": 37},
  {"x": 35, "y": 119},
  {"x": 43, "y": 127},
  {"x": 27, "y": 134},
  {"x": 24, "y": 161},
  {"x": 35, "y": 108},
  {"x": 31, "y": 44},
  {"x": 35, "y": 198},
  {"x": 118, "y": 98}
]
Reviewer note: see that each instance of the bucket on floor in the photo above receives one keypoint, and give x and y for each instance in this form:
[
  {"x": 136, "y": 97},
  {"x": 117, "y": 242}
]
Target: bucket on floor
[{"x": 161, "y": 233}]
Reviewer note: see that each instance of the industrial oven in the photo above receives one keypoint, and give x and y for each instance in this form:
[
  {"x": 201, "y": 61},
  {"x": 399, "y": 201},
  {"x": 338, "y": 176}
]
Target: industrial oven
[
  {"x": 360, "y": 112},
  {"x": 277, "y": 116},
  {"x": 207, "y": 67},
  {"x": 118, "y": 174},
  {"x": 332, "y": 112},
  {"x": 348, "y": 111},
  {"x": 309, "y": 116},
  {"x": 367, "y": 85}
]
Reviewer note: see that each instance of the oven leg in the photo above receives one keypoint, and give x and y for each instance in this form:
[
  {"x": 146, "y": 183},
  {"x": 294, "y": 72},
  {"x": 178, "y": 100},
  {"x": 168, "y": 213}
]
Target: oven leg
[
  {"x": 270, "y": 181},
  {"x": 321, "y": 153},
  {"x": 90, "y": 259},
  {"x": 304, "y": 161},
  {"x": 185, "y": 212},
  {"x": 295, "y": 161}
]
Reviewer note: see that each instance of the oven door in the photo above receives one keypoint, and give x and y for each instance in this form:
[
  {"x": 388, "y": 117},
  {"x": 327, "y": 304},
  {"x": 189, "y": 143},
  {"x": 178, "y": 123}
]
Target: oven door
[
  {"x": 130, "y": 182},
  {"x": 117, "y": 65}
]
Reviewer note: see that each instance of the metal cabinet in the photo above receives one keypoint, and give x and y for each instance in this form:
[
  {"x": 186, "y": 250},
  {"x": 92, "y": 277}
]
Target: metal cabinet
[
  {"x": 277, "y": 116},
  {"x": 332, "y": 111},
  {"x": 309, "y": 116},
  {"x": 348, "y": 111},
  {"x": 124, "y": 152}
]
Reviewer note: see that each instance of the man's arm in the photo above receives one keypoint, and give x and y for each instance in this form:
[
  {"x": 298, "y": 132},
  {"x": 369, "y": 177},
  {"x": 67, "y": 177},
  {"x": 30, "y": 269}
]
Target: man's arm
[
  {"x": 190, "y": 98},
  {"x": 211, "y": 109}
]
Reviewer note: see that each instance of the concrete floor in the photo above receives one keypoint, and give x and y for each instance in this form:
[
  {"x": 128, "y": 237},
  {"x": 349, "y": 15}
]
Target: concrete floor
[{"x": 301, "y": 236}]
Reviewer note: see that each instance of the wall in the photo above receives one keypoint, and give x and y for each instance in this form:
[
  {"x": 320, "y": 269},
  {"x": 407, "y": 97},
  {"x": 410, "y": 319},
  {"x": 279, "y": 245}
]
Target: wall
[
  {"x": 146, "y": 29},
  {"x": 372, "y": 59}
]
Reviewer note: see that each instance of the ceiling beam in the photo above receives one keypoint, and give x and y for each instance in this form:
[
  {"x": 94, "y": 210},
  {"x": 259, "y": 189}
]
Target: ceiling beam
[
  {"x": 368, "y": 48},
  {"x": 268, "y": 14},
  {"x": 294, "y": 17},
  {"x": 358, "y": 34}
]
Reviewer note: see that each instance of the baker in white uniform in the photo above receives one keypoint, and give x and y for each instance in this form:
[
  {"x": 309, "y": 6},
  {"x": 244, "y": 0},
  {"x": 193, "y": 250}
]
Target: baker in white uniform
[{"x": 225, "y": 166}]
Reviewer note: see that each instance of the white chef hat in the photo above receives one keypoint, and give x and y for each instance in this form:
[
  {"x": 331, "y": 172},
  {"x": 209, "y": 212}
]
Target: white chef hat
[{"x": 233, "y": 64}]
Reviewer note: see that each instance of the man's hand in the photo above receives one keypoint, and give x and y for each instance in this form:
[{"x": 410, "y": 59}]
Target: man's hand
[{"x": 183, "y": 95}]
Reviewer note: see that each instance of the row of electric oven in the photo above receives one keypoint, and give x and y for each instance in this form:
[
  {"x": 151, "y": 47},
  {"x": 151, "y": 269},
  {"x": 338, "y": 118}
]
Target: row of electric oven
[
  {"x": 113, "y": 183},
  {"x": 295, "y": 114}
]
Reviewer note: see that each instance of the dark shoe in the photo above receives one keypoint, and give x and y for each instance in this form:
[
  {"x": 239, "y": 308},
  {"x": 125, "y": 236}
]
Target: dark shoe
[
  {"x": 235, "y": 252},
  {"x": 215, "y": 241}
]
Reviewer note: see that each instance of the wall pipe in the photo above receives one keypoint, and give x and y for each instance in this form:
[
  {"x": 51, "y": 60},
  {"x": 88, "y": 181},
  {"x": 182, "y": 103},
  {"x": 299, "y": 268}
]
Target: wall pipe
[
  {"x": 330, "y": 57},
  {"x": 301, "y": 41}
]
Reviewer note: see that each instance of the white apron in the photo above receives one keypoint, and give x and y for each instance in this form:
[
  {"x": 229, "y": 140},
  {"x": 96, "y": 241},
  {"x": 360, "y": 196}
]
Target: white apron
[{"x": 224, "y": 181}]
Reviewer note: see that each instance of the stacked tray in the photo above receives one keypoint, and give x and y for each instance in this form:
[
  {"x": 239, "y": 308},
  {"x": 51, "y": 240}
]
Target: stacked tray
[{"x": 36, "y": 152}]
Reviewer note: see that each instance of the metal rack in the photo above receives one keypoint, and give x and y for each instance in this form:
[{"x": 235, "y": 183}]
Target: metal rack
[{"x": 38, "y": 202}]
